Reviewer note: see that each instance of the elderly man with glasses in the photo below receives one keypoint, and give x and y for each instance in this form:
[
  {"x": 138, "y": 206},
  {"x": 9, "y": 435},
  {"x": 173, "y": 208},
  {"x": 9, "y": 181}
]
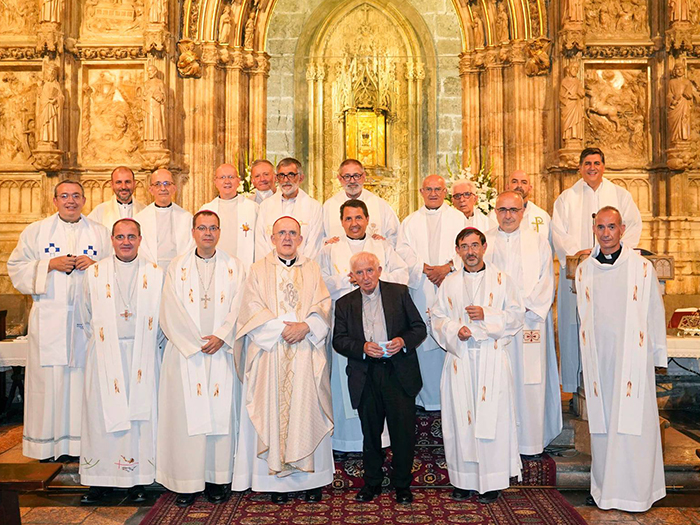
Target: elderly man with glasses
[
  {"x": 165, "y": 226},
  {"x": 290, "y": 200},
  {"x": 382, "y": 218},
  {"x": 464, "y": 198}
]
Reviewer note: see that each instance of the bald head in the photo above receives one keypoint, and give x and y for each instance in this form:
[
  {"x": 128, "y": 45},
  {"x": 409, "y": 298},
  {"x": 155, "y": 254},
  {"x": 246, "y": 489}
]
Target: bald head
[
  {"x": 509, "y": 211},
  {"x": 286, "y": 237},
  {"x": 608, "y": 229},
  {"x": 162, "y": 187},
  {"x": 520, "y": 181},
  {"x": 433, "y": 191},
  {"x": 226, "y": 181}
]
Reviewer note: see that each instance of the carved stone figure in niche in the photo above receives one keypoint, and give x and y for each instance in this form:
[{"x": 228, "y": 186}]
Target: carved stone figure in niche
[
  {"x": 571, "y": 97},
  {"x": 573, "y": 11},
  {"x": 50, "y": 10},
  {"x": 225, "y": 25},
  {"x": 678, "y": 11},
  {"x": 612, "y": 18},
  {"x": 616, "y": 113},
  {"x": 18, "y": 105},
  {"x": 157, "y": 12},
  {"x": 680, "y": 104},
  {"x": 502, "y": 14},
  {"x": 188, "y": 64},
  {"x": 478, "y": 32},
  {"x": 250, "y": 28},
  {"x": 18, "y": 16},
  {"x": 50, "y": 107},
  {"x": 538, "y": 57},
  {"x": 115, "y": 16},
  {"x": 154, "y": 115}
]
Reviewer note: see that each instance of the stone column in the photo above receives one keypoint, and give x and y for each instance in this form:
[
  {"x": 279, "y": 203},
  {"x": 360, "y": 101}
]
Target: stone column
[
  {"x": 493, "y": 111},
  {"x": 236, "y": 101},
  {"x": 315, "y": 76},
  {"x": 258, "y": 105},
  {"x": 471, "y": 141}
]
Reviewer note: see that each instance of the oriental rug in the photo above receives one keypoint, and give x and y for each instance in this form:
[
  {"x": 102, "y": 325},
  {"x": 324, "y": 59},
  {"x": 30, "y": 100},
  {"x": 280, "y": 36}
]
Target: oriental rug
[{"x": 338, "y": 507}]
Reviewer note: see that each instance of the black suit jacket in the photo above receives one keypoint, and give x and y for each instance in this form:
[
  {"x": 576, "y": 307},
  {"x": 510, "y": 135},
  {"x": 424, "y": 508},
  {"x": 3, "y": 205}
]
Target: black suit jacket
[{"x": 402, "y": 320}]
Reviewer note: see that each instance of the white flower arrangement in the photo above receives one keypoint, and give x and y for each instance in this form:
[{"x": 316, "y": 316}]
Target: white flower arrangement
[{"x": 485, "y": 190}]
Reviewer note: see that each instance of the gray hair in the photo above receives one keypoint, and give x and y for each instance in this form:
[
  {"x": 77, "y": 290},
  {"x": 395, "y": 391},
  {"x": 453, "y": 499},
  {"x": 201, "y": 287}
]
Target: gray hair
[
  {"x": 470, "y": 183},
  {"x": 367, "y": 257}
]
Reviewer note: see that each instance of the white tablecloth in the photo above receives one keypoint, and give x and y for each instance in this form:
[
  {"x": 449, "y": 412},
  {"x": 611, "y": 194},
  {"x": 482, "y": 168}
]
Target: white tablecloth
[
  {"x": 687, "y": 347},
  {"x": 13, "y": 352}
]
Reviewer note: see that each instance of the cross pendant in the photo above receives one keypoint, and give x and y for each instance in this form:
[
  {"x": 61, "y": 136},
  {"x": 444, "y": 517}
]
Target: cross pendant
[
  {"x": 205, "y": 300},
  {"x": 126, "y": 314}
]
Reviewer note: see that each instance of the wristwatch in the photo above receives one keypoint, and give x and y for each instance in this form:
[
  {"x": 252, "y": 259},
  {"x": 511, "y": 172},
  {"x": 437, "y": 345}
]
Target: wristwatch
[{"x": 452, "y": 266}]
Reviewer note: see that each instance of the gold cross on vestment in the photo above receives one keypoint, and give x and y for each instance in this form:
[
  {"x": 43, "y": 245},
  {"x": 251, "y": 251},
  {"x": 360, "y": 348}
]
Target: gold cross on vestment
[
  {"x": 205, "y": 300},
  {"x": 539, "y": 221},
  {"x": 126, "y": 314}
]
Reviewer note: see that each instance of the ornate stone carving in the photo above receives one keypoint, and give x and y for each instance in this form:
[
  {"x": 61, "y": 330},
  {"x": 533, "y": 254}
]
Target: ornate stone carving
[
  {"x": 107, "y": 53},
  {"x": 640, "y": 51},
  {"x": 612, "y": 18},
  {"x": 503, "y": 34},
  {"x": 249, "y": 30},
  {"x": 478, "y": 33},
  {"x": 49, "y": 37},
  {"x": 225, "y": 25},
  {"x": 573, "y": 12},
  {"x": 571, "y": 98},
  {"x": 155, "y": 38},
  {"x": 50, "y": 10},
  {"x": 616, "y": 114},
  {"x": 157, "y": 12},
  {"x": 680, "y": 102},
  {"x": 188, "y": 64},
  {"x": 112, "y": 17},
  {"x": 49, "y": 108},
  {"x": 111, "y": 115},
  {"x": 18, "y": 103},
  {"x": 538, "y": 61},
  {"x": 573, "y": 41},
  {"x": 154, "y": 110},
  {"x": 19, "y": 17},
  {"x": 18, "y": 53},
  {"x": 678, "y": 11}
]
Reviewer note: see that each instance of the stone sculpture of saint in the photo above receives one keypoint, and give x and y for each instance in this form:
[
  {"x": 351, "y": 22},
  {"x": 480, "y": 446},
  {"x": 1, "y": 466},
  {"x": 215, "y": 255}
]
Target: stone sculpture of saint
[
  {"x": 249, "y": 30},
  {"x": 503, "y": 34},
  {"x": 49, "y": 107},
  {"x": 478, "y": 29},
  {"x": 50, "y": 10},
  {"x": 155, "y": 12},
  {"x": 571, "y": 97},
  {"x": 678, "y": 11},
  {"x": 225, "y": 25},
  {"x": 154, "y": 115},
  {"x": 573, "y": 11},
  {"x": 680, "y": 102}
]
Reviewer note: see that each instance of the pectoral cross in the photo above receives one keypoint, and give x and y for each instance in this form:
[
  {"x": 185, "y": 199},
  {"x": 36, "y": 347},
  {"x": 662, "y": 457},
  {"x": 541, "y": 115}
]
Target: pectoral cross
[
  {"x": 205, "y": 300},
  {"x": 126, "y": 314}
]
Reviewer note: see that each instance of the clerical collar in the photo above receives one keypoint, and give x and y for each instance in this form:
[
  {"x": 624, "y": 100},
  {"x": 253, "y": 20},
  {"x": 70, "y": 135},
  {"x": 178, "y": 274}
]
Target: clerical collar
[
  {"x": 164, "y": 207},
  {"x": 432, "y": 210},
  {"x": 196, "y": 252},
  {"x": 287, "y": 263},
  {"x": 125, "y": 203},
  {"x": 350, "y": 239},
  {"x": 373, "y": 294},
  {"x": 64, "y": 221},
  {"x": 525, "y": 204},
  {"x": 125, "y": 262},
  {"x": 609, "y": 258},
  {"x": 478, "y": 271},
  {"x": 511, "y": 234}
]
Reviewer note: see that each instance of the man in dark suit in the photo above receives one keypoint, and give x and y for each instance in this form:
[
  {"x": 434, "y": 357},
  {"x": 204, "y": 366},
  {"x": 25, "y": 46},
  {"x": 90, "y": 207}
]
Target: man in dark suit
[{"x": 377, "y": 327}]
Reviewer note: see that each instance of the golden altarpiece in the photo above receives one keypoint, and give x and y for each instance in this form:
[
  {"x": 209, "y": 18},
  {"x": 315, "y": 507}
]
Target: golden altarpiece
[{"x": 86, "y": 85}]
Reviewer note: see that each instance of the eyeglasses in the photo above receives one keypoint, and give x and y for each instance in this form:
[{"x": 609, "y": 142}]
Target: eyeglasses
[
  {"x": 163, "y": 184},
  {"x": 66, "y": 196},
  {"x": 287, "y": 176},
  {"x": 227, "y": 177},
  {"x": 352, "y": 176},
  {"x": 512, "y": 211},
  {"x": 460, "y": 196},
  {"x": 201, "y": 228}
]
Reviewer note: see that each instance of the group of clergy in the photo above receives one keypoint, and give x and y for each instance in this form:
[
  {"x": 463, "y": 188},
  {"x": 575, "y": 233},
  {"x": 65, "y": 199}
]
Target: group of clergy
[{"x": 237, "y": 348}]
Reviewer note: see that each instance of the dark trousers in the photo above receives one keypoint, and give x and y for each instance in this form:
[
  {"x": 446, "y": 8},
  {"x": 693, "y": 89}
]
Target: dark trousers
[{"x": 384, "y": 398}]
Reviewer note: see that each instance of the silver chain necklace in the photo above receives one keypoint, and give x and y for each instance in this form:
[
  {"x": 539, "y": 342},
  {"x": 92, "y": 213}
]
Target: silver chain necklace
[
  {"x": 132, "y": 290},
  {"x": 206, "y": 297}
]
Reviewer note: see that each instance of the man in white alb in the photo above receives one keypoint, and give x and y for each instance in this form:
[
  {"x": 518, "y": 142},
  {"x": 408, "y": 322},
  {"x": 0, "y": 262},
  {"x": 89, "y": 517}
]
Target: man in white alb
[
  {"x": 535, "y": 217},
  {"x": 120, "y": 311},
  {"x": 198, "y": 397},
  {"x": 122, "y": 205},
  {"x": 284, "y": 442},
  {"x": 383, "y": 220},
  {"x": 262, "y": 175},
  {"x": 165, "y": 226},
  {"x": 477, "y": 313},
  {"x": 623, "y": 337},
  {"x": 290, "y": 200},
  {"x": 572, "y": 235},
  {"x": 464, "y": 198},
  {"x": 526, "y": 257},
  {"x": 237, "y": 215},
  {"x": 334, "y": 261},
  {"x": 426, "y": 243},
  {"x": 49, "y": 263}
]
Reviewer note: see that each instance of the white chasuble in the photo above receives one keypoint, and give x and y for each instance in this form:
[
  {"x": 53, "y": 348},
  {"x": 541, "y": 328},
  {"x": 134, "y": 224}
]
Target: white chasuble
[
  {"x": 481, "y": 445},
  {"x": 286, "y": 420},
  {"x": 303, "y": 208},
  {"x": 622, "y": 338},
  {"x": 480, "y": 221},
  {"x": 178, "y": 226},
  {"x": 237, "y": 232},
  {"x": 56, "y": 339},
  {"x": 534, "y": 217},
  {"x": 110, "y": 211},
  {"x": 382, "y": 218},
  {"x": 121, "y": 308},
  {"x": 334, "y": 261},
  {"x": 414, "y": 247},
  {"x": 572, "y": 231},
  {"x": 526, "y": 257}
]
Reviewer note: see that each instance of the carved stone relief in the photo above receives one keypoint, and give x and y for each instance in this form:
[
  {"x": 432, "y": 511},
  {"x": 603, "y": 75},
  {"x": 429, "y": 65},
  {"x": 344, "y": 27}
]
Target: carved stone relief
[
  {"x": 19, "y": 17},
  {"x": 20, "y": 195},
  {"x": 693, "y": 143},
  {"x": 571, "y": 98},
  {"x": 112, "y": 17},
  {"x": 18, "y": 95},
  {"x": 112, "y": 114},
  {"x": 616, "y": 114},
  {"x": 502, "y": 32},
  {"x": 225, "y": 25},
  {"x": 616, "y": 18}
]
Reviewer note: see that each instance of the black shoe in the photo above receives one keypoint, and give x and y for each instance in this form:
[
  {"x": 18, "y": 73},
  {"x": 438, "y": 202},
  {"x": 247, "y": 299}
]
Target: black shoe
[
  {"x": 185, "y": 500},
  {"x": 65, "y": 458},
  {"x": 137, "y": 494},
  {"x": 279, "y": 497},
  {"x": 217, "y": 493},
  {"x": 461, "y": 494},
  {"x": 94, "y": 495},
  {"x": 47, "y": 460},
  {"x": 314, "y": 495},
  {"x": 404, "y": 495},
  {"x": 531, "y": 457},
  {"x": 590, "y": 501},
  {"x": 489, "y": 497},
  {"x": 368, "y": 492}
]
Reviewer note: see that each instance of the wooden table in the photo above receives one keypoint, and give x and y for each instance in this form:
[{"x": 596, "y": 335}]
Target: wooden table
[{"x": 22, "y": 476}]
